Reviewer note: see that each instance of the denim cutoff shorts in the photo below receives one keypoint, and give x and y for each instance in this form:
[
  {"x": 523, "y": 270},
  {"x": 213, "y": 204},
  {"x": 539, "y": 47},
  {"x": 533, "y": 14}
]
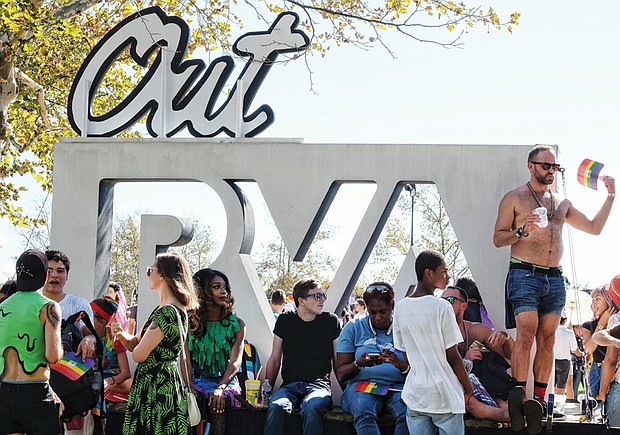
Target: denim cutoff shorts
[{"x": 534, "y": 291}]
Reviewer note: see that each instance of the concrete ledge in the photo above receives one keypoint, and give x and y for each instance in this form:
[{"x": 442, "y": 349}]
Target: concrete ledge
[
  {"x": 251, "y": 421},
  {"x": 338, "y": 422}
]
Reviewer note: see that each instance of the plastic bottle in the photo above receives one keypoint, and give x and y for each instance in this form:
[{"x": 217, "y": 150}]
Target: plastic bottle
[{"x": 265, "y": 393}]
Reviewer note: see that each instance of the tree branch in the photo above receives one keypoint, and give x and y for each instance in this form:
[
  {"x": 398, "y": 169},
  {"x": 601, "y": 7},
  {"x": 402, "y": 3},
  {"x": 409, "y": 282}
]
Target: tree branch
[
  {"x": 40, "y": 95},
  {"x": 74, "y": 8}
]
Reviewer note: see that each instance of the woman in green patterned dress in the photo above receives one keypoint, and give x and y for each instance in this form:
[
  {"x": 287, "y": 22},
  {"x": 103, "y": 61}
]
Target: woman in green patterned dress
[
  {"x": 216, "y": 346},
  {"x": 157, "y": 404}
]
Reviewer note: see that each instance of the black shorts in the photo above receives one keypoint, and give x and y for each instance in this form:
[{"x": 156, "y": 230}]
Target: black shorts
[
  {"x": 28, "y": 408},
  {"x": 562, "y": 369}
]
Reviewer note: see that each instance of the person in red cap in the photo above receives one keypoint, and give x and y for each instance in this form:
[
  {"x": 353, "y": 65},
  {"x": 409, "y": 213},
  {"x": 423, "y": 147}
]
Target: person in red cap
[
  {"x": 115, "y": 367},
  {"x": 609, "y": 390},
  {"x": 535, "y": 287},
  {"x": 29, "y": 342}
]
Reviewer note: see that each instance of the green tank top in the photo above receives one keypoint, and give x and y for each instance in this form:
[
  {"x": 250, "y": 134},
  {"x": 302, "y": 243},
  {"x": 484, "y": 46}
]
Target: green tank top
[{"x": 20, "y": 329}]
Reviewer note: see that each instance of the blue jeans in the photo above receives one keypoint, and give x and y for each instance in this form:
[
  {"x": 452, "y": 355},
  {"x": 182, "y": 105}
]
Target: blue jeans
[
  {"x": 612, "y": 404},
  {"x": 426, "y": 423},
  {"x": 595, "y": 378},
  {"x": 576, "y": 374},
  {"x": 315, "y": 401},
  {"x": 365, "y": 407},
  {"x": 532, "y": 291}
]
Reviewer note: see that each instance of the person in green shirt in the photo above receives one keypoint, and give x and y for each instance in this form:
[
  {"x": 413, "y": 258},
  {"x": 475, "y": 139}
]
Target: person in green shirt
[{"x": 29, "y": 342}]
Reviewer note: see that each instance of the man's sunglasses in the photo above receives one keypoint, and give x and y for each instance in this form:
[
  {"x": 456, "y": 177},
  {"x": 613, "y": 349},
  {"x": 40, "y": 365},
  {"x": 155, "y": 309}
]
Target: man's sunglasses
[
  {"x": 546, "y": 166},
  {"x": 377, "y": 288},
  {"x": 452, "y": 299},
  {"x": 319, "y": 296}
]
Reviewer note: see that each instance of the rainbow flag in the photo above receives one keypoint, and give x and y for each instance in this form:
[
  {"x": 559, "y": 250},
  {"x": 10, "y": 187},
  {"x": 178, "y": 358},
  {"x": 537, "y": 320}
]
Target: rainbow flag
[
  {"x": 588, "y": 173},
  {"x": 372, "y": 388},
  {"x": 72, "y": 366}
]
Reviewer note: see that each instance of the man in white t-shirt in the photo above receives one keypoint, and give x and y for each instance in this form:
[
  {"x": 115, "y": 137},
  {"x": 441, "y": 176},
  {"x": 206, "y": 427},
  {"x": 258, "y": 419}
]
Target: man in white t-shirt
[
  {"x": 58, "y": 265},
  {"x": 425, "y": 330},
  {"x": 565, "y": 343},
  {"x": 360, "y": 309}
]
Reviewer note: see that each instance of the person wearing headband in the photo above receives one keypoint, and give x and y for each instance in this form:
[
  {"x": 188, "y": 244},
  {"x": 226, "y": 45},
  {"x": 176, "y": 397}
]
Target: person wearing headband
[{"x": 115, "y": 367}]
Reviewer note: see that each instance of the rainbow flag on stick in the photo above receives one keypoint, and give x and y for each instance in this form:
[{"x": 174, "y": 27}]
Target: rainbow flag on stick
[
  {"x": 588, "y": 173},
  {"x": 372, "y": 388},
  {"x": 72, "y": 366}
]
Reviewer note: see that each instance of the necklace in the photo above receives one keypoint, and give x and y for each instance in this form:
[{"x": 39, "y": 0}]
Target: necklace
[
  {"x": 464, "y": 345},
  {"x": 552, "y": 212}
]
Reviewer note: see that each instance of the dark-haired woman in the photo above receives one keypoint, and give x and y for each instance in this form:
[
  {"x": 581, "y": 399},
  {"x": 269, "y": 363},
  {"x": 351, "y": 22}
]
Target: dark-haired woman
[
  {"x": 376, "y": 371},
  {"x": 157, "y": 404},
  {"x": 603, "y": 307},
  {"x": 216, "y": 346}
]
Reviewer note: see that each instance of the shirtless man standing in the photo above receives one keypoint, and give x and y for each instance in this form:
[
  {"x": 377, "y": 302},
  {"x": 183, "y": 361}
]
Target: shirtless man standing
[{"x": 535, "y": 284}]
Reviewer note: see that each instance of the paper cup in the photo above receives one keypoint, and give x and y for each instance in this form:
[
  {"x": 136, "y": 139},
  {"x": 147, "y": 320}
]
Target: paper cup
[
  {"x": 252, "y": 390},
  {"x": 542, "y": 211}
]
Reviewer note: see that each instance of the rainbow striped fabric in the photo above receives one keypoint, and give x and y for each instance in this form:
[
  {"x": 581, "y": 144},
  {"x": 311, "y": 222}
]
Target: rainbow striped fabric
[
  {"x": 588, "y": 173},
  {"x": 72, "y": 366},
  {"x": 372, "y": 388}
]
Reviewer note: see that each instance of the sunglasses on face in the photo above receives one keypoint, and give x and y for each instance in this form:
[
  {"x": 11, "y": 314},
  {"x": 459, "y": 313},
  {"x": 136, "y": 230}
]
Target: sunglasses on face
[
  {"x": 452, "y": 299},
  {"x": 319, "y": 296},
  {"x": 377, "y": 288},
  {"x": 546, "y": 166},
  {"x": 150, "y": 270}
]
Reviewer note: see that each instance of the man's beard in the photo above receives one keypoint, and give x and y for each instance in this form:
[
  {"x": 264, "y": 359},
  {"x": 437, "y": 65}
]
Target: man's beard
[{"x": 542, "y": 179}]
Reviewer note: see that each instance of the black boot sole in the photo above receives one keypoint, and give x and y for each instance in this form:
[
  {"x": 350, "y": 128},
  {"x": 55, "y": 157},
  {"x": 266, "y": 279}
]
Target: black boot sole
[
  {"x": 515, "y": 408},
  {"x": 533, "y": 412}
]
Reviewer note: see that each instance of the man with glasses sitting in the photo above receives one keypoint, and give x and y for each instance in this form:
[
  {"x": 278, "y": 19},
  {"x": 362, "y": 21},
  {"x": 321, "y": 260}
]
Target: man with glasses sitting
[
  {"x": 535, "y": 285},
  {"x": 304, "y": 346}
]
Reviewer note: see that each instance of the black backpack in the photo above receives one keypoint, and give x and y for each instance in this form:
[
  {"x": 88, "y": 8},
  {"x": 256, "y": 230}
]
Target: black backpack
[
  {"x": 491, "y": 370},
  {"x": 81, "y": 395}
]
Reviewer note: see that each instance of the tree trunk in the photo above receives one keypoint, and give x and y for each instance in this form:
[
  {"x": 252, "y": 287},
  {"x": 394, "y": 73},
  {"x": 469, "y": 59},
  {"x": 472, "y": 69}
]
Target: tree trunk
[{"x": 8, "y": 91}]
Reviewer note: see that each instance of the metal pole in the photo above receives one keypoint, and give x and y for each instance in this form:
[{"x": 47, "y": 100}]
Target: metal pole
[{"x": 411, "y": 188}]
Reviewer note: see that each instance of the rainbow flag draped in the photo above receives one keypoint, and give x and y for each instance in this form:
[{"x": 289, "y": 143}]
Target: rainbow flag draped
[
  {"x": 588, "y": 173},
  {"x": 72, "y": 366},
  {"x": 372, "y": 388}
]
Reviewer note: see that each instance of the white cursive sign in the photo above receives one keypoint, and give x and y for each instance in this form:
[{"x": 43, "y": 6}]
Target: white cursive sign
[{"x": 179, "y": 93}]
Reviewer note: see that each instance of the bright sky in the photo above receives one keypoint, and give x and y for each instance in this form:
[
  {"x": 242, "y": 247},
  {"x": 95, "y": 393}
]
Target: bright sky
[{"x": 554, "y": 81}]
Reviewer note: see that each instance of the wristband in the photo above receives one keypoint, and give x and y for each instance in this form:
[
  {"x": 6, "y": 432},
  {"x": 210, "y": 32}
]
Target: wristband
[
  {"x": 612, "y": 194},
  {"x": 520, "y": 233},
  {"x": 113, "y": 380},
  {"x": 404, "y": 372},
  {"x": 356, "y": 366}
]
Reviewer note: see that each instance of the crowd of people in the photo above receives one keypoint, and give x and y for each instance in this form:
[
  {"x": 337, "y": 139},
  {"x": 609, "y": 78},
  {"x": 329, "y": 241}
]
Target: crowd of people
[{"x": 423, "y": 359}]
